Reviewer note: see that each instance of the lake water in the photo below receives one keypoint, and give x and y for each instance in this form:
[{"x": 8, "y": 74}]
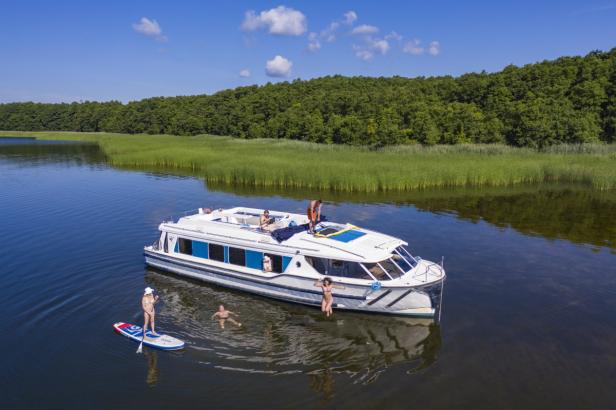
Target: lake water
[{"x": 529, "y": 315}]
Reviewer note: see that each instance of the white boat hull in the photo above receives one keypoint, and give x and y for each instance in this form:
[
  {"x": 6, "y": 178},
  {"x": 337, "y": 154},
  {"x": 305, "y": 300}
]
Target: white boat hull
[{"x": 406, "y": 301}]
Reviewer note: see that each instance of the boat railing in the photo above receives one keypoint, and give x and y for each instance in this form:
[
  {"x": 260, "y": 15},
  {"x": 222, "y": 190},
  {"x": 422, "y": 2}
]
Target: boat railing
[
  {"x": 428, "y": 272},
  {"x": 178, "y": 215}
]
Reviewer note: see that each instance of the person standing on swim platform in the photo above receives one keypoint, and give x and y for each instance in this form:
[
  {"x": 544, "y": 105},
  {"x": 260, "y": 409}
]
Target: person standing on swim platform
[
  {"x": 147, "y": 303},
  {"x": 314, "y": 214},
  {"x": 327, "y": 303}
]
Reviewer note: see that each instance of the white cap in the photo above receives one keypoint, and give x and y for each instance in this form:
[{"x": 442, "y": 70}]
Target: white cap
[{"x": 148, "y": 290}]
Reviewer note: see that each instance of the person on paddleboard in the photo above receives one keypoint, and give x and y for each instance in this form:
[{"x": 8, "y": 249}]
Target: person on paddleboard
[
  {"x": 147, "y": 303},
  {"x": 223, "y": 315}
]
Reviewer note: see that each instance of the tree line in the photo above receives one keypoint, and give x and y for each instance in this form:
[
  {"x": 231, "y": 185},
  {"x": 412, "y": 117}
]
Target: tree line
[{"x": 567, "y": 100}]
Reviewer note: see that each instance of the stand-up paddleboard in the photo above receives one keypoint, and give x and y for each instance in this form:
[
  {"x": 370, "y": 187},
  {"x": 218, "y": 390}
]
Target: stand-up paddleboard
[{"x": 134, "y": 332}]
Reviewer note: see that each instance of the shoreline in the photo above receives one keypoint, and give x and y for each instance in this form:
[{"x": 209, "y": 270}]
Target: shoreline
[{"x": 285, "y": 163}]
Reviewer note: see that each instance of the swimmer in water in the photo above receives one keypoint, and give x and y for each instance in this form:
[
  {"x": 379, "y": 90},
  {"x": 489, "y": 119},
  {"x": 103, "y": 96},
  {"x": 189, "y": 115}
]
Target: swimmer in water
[
  {"x": 223, "y": 315},
  {"x": 147, "y": 303}
]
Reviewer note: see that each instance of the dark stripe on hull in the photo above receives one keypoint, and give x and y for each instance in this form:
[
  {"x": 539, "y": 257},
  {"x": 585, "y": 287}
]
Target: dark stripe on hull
[
  {"x": 381, "y": 296},
  {"x": 399, "y": 298}
]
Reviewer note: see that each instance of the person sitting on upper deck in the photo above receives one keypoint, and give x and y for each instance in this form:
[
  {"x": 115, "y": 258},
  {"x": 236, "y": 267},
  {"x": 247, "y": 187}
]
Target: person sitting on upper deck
[{"x": 265, "y": 223}]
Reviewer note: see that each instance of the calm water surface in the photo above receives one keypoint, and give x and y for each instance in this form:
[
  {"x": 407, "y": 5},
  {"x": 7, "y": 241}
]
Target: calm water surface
[{"x": 529, "y": 317}]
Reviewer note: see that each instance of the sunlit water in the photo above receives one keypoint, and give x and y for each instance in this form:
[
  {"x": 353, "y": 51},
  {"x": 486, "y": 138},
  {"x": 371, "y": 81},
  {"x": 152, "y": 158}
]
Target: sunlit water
[{"x": 529, "y": 315}]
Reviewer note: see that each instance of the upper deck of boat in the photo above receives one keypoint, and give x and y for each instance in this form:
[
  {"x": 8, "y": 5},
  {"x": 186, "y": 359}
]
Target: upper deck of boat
[{"x": 333, "y": 240}]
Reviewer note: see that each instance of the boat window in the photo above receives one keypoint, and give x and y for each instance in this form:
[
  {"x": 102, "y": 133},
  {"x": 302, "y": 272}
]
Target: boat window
[
  {"x": 237, "y": 256},
  {"x": 402, "y": 262},
  {"x": 346, "y": 269},
  {"x": 165, "y": 244},
  {"x": 343, "y": 269},
  {"x": 319, "y": 264},
  {"x": 217, "y": 252},
  {"x": 391, "y": 268},
  {"x": 401, "y": 250},
  {"x": 276, "y": 262},
  {"x": 285, "y": 262},
  {"x": 254, "y": 259},
  {"x": 376, "y": 271},
  {"x": 200, "y": 249},
  {"x": 185, "y": 246}
]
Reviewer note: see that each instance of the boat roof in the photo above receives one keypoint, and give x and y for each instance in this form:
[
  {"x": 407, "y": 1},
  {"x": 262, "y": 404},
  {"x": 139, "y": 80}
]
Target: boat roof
[{"x": 240, "y": 226}]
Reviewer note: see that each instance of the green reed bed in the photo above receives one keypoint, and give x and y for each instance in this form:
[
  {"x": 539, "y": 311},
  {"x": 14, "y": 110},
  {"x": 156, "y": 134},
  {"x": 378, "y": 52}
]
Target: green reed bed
[{"x": 285, "y": 163}]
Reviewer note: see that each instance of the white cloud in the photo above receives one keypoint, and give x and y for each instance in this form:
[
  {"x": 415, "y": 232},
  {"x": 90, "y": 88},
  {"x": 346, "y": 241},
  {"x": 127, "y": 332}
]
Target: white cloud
[
  {"x": 313, "y": 42},
  {"x": 413, "y": 47},
  {"x": 379, "y": 46},
  {"x": 245, "y": 73},
  {"x": 393, "y": 36},
  {"x": 365, "y": 29},
  {"x": 149, "y": 28},
  {"x": 329, "y": 34},
  {"x": 365, "y": 55},
  {"x": 314, "y": 46},
  {"x": 350, "y": 17},
  {"x": 278, "y": 67},
  {"x": 434, "y": 48},
  {"x": 370, "y": 48},
  {"x": 281, "y": 21}
]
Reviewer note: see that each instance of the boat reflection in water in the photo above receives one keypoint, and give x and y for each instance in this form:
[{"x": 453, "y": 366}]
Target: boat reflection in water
[{"x": 280, "y": 338}]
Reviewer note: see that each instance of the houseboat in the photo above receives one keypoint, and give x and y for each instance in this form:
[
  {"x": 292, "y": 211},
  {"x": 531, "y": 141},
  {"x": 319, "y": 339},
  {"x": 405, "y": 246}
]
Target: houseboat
[{"x": 283, "y": 260}]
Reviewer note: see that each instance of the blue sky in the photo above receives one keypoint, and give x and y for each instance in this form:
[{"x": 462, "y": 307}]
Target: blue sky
[{"x": 128, "y": 50}]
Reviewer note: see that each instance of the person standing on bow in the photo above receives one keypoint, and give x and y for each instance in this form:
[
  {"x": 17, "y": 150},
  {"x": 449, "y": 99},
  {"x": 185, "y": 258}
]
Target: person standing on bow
[{"x": 314, "y": 214}]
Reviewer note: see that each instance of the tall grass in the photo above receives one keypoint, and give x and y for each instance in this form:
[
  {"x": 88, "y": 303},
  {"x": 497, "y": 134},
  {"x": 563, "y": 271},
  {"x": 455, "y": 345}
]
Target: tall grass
[{"x": 285, "y": 163}]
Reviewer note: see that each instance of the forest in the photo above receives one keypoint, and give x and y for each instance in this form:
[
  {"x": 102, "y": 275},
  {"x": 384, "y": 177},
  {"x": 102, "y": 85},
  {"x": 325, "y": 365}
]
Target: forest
[{"x": 567, "y": 100}]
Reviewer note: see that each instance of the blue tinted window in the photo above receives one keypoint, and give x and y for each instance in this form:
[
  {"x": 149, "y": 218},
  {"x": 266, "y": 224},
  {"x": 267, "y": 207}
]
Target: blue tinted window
[
  {"x": 254, "y": 259},
  {"x": 200, "y": 249},
  {"x": 285, "y": 262}
]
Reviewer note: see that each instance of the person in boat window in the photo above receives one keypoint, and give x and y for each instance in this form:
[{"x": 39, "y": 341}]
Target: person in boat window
[
  {"x": 267, "y": 263},
  {"x": 147, "y": 303},
  {"x": 314, "y": 214},
  {"x": 328, "y": 299},
  {"x": 265, "y": 223},
  {"x": 223, "y": 315}
]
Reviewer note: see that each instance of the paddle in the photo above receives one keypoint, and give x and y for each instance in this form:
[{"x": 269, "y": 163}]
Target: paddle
[{"x": 140, "y": 348}]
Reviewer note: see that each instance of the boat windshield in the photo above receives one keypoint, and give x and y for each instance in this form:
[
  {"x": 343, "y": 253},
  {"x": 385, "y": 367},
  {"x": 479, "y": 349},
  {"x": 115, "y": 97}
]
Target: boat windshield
[
  {"x": 387, "y": 269},
  {"x": 403, "y": 258}
]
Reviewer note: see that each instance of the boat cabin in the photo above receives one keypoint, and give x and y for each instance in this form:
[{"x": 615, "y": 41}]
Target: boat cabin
[{"x": 234, "y": 237}]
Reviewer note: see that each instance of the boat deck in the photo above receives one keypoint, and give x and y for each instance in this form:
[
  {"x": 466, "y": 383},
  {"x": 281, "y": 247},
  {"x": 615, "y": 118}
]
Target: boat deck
[{"x": 332, "y": 240}]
